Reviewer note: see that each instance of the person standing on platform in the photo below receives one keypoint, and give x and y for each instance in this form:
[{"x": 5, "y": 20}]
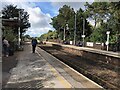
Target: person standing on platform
[
  {"x": 34, "y": 43},
  {"x": 5, "y": 45}
]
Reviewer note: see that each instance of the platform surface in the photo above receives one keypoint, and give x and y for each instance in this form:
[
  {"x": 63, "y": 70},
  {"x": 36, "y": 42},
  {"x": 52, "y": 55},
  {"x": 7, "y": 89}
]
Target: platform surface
[
  {"x": 92, "y": 50},
  {"x": 42, "y": 70},
  {"x": 33, "y": 71}
]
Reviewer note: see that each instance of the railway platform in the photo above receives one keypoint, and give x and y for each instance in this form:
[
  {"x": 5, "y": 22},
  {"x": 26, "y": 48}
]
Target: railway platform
[
  {"x": 92, "y": 50},
  {"x": 42, "y": 70}
]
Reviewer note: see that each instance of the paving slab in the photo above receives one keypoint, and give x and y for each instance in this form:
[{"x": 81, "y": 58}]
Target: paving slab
[
  {"x": 33, "y": 71},
  {"x": 76, "y": 79}
]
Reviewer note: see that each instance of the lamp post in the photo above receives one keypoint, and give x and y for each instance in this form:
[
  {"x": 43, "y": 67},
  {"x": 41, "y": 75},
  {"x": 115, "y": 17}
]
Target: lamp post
[
  {"x": 107, "y": 43},
  {"x": 75, "y": 30},
  {"x": 64, "y": 34},
  {"x": 65, "y": 28},
  {"x": 1, "y": 36},
  {"x": 19, "y": 29},
  {"x": 19, "y": 19},
  {"x": 83, "y": 36}
]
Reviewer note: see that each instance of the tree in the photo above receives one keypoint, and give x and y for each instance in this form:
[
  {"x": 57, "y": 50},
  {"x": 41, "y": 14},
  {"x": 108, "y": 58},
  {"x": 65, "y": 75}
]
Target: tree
[
  {"x": 67, "y": 16},
  {"x": 99, "y": 34},
  {"x": 114, "y": 21},
  {"x": 64, "y": 17},
  {"x": 98, "y": 11},
  {"x": 81, "y": 15},
  {"x": 27, "y": 36},
  {"x": 49, "y": 35},
  {"x": 106, "y": 16},
  {"x": 11, "y": 11},
  {"x": 8, "y": 33}
]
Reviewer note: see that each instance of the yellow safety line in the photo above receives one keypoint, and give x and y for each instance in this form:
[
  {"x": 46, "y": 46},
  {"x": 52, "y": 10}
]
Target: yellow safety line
[
  {"x": 60, "y": 78},
  {"x": 63, "y": 81}
]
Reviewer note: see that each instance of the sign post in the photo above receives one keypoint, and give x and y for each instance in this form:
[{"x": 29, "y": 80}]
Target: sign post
[
  {"x": 107, "y": 42},
  {"x": 83, "y": 36}
]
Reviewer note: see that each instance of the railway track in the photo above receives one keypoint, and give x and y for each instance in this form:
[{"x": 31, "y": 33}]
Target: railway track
[{"x": 99, "y": 72}]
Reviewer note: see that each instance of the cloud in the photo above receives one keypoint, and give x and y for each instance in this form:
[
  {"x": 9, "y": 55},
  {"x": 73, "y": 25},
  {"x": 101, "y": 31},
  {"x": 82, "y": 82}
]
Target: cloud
[
  {"x": 69, "y": 0},
  {"x": 39, "y": 20},
  {"x": 72, "y": 4},
  {"x": 51, "y": 0},
  {"x": 39, "y": 31},
  {"x": 75, "y": 5}
]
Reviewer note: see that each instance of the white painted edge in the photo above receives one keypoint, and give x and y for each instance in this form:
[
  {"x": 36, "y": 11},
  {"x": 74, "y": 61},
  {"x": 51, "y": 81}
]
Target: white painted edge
[
  {"x": 112, "y": 54},
  {"x": 73, "y": 69},
  {"x": 68, "y": 85}
]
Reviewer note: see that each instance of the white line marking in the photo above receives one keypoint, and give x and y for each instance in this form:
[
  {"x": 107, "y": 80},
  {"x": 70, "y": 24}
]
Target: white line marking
[{"x": 73, "y": 69}]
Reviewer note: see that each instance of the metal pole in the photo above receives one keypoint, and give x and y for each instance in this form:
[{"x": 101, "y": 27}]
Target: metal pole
[
  {"x": 75, "y": 31},
  {"x": 1, "y": 38},
  {"x": 83, "y": 31},
  {"x": 108, "y": 32},
  {"x": 19, "y": 30},
  {"x": 64, "y": 34},
  {"x": 108, "y": 42}
]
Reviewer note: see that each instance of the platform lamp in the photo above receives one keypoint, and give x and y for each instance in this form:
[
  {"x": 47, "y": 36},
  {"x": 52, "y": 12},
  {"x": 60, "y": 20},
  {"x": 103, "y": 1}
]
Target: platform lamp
[
  {"x": 83, "y": 36},
  {"x": 107, "y": 42},
  {"x": 75, "y": 29},
  {"x": 19, "y": 19},
  {"x": 65, "y": 28}
]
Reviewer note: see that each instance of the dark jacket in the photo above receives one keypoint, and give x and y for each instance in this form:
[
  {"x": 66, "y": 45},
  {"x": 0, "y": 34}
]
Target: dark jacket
[{"x": 34, "y": 42}]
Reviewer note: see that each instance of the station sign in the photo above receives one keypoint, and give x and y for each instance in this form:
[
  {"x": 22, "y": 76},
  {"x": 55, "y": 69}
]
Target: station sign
[{"x": 83, "y": 36}]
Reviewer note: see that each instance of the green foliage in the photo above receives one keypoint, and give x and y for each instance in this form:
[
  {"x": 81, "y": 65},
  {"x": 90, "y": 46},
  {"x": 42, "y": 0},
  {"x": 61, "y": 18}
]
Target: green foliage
[
  {"x": 106, "y": 15},
  {"x": 8, "y": 33},
  {"x": 98, "y": 11},
  {"x": 50, "y": 35},
  {"x": 81, "y": 15},
  {"x": 27, "y": 36},
  {"x": 67, "y": 16},
  {"x": 11, "y": 11},
  {"x": 98, "y": 35}
]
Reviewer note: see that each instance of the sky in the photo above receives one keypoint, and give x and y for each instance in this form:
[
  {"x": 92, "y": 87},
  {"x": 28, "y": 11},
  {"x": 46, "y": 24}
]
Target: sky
[{"x": 41, "y": 12}]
